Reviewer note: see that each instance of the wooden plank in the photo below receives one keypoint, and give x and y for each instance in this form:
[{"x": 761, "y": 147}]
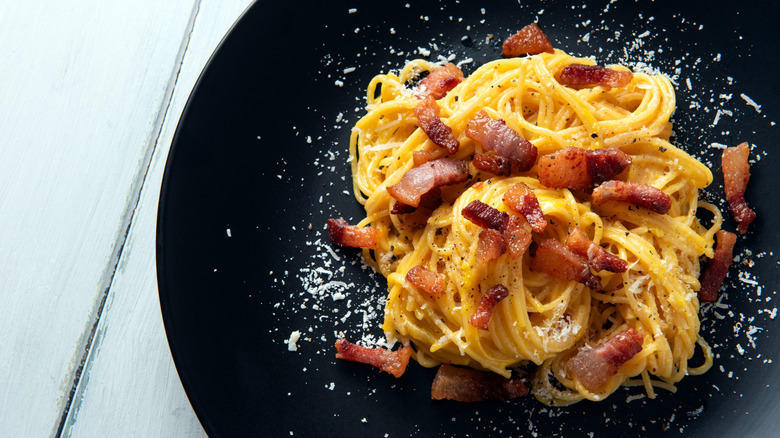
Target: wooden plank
[
  {"x": 82, "y": 86},
  {"x": 130, "y": 386}
]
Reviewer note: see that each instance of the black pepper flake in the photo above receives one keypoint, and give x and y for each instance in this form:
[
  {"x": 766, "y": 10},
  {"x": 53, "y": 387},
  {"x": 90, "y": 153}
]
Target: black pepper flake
[
  {"x": 594, "y": 135},
  {"x": 662, "y": 149}
]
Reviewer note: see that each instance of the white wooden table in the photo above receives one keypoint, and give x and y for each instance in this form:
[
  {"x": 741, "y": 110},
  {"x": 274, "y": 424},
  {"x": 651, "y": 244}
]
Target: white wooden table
[{"x": 90, "y": 96}]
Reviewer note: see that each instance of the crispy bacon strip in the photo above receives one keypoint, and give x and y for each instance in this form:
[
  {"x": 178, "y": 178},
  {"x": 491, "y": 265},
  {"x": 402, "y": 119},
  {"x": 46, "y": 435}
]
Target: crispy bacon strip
[
  {"x": 342, "y": 233},
  {"x": 718, "y": 267},
  {"x": 606, "y": 164},
  {"x": 736, "y": 174},
  {"x": 634, "y": 193},
  {"x": 567, "y": 168},
  {"x": 578, "y": 169},
  {"x": 530, "y": 40},
  {"x": 522, "y": 199},
  {"x": 440, "y": 81},
  {"x": 401, "y": 208},
  {"x": 598, "y": 258},
  {"x": 421, "y": 157},
  {"x": 495, "y": 135},
  {"x": 429, "y": 281},
  {"x": 554, "y": 258},
  {"x": 491, "y": 245},
  {"x": 485, "y": 216},
  {"x": 481, "y": 317},
  {"x": 593, "y": 366},
  {"x": 585, "y": 75},
  {"x": 494, "y": 164},
  {"x": 429, "y": 201},
  {"x": 393, "y": 362},
  {"x": 468, "y": 385},
  {"x": 517, "y": 237},
  {"x": 427, "y": 112},
  {"x": 420, "y": 180}
]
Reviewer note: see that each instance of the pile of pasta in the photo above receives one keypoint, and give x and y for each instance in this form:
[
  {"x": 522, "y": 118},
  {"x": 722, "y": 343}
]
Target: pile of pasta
[{"x": 544, "y": 320}]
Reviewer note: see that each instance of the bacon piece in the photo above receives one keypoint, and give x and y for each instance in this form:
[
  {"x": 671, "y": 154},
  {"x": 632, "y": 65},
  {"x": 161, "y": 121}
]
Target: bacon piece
[
  {"x": 342, "y": 233},
  {"x": 718, "y": 267},
  {"x": 522, "y": 199},
  {"x": 425, "y": 279},
  {"x": 401, "y": 208},
  {"x": 440, "y": 81},
  {"x": 567, "y": 168},
  {"x": 494, "y": 164},
  {"x": 593, "y": 366},
  {"x": 736, "y": 174},
  {"x": 598, "y": 258},
  {"x": 634, "y": 193},
  {"x": 554, "y": 258},
  {"x": 575, "y": 168},
  {"x": 530, "y": 40},
  {"x": 491, "y": 245},
  {"x": 517, "y": 236},
  {"x": 485, "y": 216},
  {"x": 421, "y": 157},
  {"x": 495, "y": 135},
  {"x": 393, "y": 362},
  {"x": 420, "y": 180},
  {"x": 430, "y": 201},
  {"x": 606, "y": 164},
  {"x": 584, "y": 75},
  {"x": 468, "y": 385},
  {"x": 481, "y": 317},
  {"x": 427, "y": 112}
]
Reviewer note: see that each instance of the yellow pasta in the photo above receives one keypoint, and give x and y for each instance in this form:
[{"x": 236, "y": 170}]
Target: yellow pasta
[{"x": 544, "y": 320}]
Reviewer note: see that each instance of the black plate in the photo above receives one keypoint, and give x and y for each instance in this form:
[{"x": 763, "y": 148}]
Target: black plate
[{"x": 260, "y": 156}]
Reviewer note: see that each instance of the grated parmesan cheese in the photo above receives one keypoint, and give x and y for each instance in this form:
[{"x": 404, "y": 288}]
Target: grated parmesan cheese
[{"x": 292, "y": 342}]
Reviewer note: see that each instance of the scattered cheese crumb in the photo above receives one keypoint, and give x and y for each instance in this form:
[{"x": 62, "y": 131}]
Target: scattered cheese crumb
[
  {"x": 292, "y": 342},
  {"x": 751, "y": 102},
  {"x": 338, "y": 296}
]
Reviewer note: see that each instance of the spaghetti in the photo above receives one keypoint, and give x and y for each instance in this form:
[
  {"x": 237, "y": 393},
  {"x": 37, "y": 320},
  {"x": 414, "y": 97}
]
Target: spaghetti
[{"x": 544, "y": 320}]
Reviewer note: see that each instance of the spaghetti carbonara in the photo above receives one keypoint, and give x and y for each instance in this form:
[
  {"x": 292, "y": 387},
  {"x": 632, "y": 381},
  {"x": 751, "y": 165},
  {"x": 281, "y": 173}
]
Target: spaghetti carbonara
[{"x": 544, "y": 320}]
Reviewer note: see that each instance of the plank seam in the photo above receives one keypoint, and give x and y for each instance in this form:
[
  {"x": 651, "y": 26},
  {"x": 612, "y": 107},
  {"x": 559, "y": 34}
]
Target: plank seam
[{"x": 152, "y": 144}]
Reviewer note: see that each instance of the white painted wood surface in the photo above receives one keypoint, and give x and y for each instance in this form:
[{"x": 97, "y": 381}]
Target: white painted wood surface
[{"x": 90, "y": 94}]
